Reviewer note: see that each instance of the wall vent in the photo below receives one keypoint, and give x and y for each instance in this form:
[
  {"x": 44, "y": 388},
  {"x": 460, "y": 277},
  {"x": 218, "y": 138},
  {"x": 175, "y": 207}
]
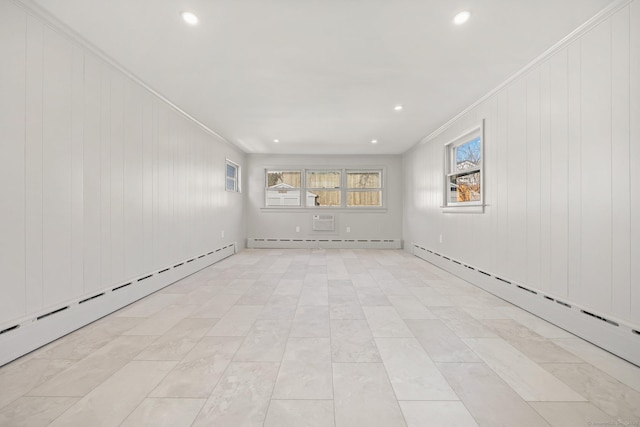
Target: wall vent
[{"x": 323, "y": 222}]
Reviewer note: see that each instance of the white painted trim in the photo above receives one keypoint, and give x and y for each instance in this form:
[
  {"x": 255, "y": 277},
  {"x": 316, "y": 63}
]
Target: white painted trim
[
  {"x": 23, "y": 336},
  {"x": 322, "y": 243},
  {"x": 604, "y": 14},
  {"x": 57, "y": 25},
  {"x": 614, "y": 335}
]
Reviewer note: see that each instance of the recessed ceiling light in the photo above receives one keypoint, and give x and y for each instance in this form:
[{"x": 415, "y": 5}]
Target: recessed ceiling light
[
  {"x": 276, "y": 140},
  {"x": 398, "y": 107},
  {"x": 190, "y": 18},
  {"x": 461, "y": 17},
  {"x": 374, "y": 141}
]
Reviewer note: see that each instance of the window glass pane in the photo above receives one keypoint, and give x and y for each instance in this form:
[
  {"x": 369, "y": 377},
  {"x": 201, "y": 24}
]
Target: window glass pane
[
  {"x": 283, "y": 179},
  {"x": 231, "y": 184},
  {"x": 231, "y": 171},
  {"x": 323, "y": 179},
  {"x": 464, "y": 187},
  {"x": 323, "y": 198},
  {"x": 364, "y": 198},
  {"x": 468, "y": 155},
  {"x": 363, "y": 180},
  {"x": 283, "y": 197}
]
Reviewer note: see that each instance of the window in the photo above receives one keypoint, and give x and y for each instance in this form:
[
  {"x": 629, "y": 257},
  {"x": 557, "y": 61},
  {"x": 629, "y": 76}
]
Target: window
[
  {"x": 232, "y": 177},
  {"x": 324, "y": 188},
  {"x": 463, "y": 169},
  {"x": 364, "y": 188},
  {"x": 334, "y": 188},
  {"x": 283, "y": 188}
]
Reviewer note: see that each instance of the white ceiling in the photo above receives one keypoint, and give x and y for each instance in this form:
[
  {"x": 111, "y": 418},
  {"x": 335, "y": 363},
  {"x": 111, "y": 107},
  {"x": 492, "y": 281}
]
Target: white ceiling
[{"x": 323, "y": 76}]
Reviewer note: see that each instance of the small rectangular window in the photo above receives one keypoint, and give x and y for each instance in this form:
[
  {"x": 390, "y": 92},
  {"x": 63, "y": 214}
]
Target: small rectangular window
[
  {"x": 283, "y": 188},
  {"x": 463, "y": 169},
  {"x": 364, "y": 188},
  {"x": 232, "y": 180}
]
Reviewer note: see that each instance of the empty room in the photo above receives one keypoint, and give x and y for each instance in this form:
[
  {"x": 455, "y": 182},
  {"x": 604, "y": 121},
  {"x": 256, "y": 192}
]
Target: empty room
[{"x": 293, "y": 213}]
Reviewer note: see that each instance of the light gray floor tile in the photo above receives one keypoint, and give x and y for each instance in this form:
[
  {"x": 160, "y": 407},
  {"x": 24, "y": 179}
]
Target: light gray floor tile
[
  {"x": 436, "y": 414},
  {"x": 305, "y": 372},
  {"x": 364, "y": 396},
  {"x": 35, "y": 411},
  {"x": 300, "y": 413},
  {"x": 352, "y": 342},
  {"x": 311, "y": 321},
  {"x": 241, "y": 398},
  {"x": 164, "y": 412},
  {"x": 386, "y": 322},
  {"x": 573, "y": 414},
  {"x": 440, "y": 342},
  {"x": 265, "y": 342}
]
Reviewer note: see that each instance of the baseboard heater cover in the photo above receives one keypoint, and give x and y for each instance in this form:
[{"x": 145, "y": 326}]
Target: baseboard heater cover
[
  {"x": 614, "y": 335},
  {"x": 24, "y": 335},
  {"x": 322, "y": 243}
]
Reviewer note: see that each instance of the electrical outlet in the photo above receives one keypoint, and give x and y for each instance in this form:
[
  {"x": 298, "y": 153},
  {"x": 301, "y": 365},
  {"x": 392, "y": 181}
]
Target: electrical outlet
[
  {"x": 297, "y": 228},
  {"x": 348, "y": 229},
  {"x": 222, "y": 234}
]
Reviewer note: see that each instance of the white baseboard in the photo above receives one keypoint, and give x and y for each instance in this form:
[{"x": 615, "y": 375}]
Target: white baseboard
[
  {"x": 21, "y": 337},
  {"x": 323, "y": 243},
  {"x": 614, "y": 335}
]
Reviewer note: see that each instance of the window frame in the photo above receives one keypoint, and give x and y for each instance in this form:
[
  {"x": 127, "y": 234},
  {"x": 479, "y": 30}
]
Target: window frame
[
  {"x": 472, "y": 206},
  {"x": 363, "y": 190},
  {"x": 303, "y": 205},
  {"x": 236, "y": 179}
]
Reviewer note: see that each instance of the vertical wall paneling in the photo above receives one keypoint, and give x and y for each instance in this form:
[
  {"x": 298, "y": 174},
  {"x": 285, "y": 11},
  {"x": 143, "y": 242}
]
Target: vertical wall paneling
[
  {"x": 546, "y": 186},
  {"x": 91, "y": 175},
  {"x": 517, "y": 180},
  {"x": 620, "y": 183},
  {"x": 57, "y": 168},
  {"x": 105, "y": 179},
  {"x": 559, "y": 193},
  {"x": 595, "y": 151},
  {"x": 77, "y": 172},
  {"x": 533, "y": 179},
  {"x": 148, "y": 157},
  {"x": 132, "y": 176},
  {"x": 502, "y": 189},
  {"x": 117, "y": 178},
  {"x": 33, "y": 172},
  {"x": 634, "y": 155},
  {"x": 574, "y": 170},
  {"x": 12, "y": 172}
]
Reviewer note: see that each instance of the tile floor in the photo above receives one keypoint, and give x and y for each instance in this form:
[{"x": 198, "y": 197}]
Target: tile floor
[{"x": 320, "y": 338}]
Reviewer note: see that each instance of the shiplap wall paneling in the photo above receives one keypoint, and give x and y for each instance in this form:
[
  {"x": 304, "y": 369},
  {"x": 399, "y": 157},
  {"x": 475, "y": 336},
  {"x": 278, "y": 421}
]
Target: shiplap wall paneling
[
  {"x": 57, "y": 168},
  {"x": 634, "y": 156},
  {"x": 77, "y": 172},
  {"x": 116, "y": 141},
  {"x": 533, "y": 177},
  {"x": 91, "y": 175},
  {"x": 33, "y": 159},
  {"x": 620, "y": 167},
  {"x": 596, "y": 189},
  {"x": 105, "y": 179},
  {"x": 500, "y": 206},
  {"x": 148, "y": 161},
  {"x": 12, "y": 172},
  {"x": 546, "y": 186},
  {"x": 559, "y": 174},
  {"x": 133, "y": 170},
  {"x": 573, "y": 191},
  {"x": 516, "y": 166}
]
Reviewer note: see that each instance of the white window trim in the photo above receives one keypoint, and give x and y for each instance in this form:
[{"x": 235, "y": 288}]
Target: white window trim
[
  {"x": 237, "y": 188},
  {"x": 343, "y": 189},
  {"x": 464, "y": 137}
]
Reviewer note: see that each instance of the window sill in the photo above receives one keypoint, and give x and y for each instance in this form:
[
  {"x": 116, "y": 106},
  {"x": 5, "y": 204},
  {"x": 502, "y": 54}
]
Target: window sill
[
  {"x": 463, "y": 209},
  {"x": 323, "y": 209}
]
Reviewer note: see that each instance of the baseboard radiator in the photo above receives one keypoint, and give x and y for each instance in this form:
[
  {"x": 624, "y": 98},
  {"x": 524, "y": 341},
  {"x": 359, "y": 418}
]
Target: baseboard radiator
[
  {"x": 23, "y": 336},
  {"x": 323, "y": 243},
  {"x": 613, "y": 335}
]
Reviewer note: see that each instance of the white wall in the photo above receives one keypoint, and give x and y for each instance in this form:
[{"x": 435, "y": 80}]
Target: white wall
[
  {"x": 562, "y": 176},
  {"x": 101, "y": 181},
  {"x": 280, "y": 223}
]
